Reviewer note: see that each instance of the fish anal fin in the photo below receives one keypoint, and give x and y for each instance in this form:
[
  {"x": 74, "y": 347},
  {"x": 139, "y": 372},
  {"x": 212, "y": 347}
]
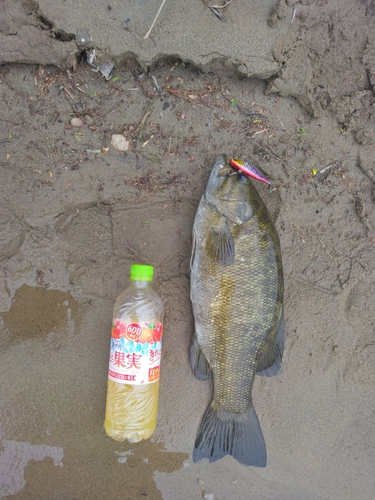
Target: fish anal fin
[
  {"x": 221, "y": 245},
  {"x": 199, "y": 363},
  {"x": 238, "y": 435},
  {"x": 269, "y": 363}
]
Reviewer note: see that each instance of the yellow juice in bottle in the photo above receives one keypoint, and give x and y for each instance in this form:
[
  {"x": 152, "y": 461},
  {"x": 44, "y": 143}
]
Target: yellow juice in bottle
[
  {"x": 131, "y": 411},
  {"x": 134, "y": 364}
]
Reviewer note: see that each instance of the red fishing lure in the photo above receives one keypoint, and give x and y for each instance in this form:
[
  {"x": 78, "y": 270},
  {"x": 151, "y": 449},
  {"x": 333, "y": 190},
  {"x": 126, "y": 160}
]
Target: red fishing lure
[{"x": 248, "y": 169}]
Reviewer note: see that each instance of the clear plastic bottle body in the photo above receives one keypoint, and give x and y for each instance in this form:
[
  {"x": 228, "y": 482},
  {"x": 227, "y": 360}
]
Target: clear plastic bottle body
[{"x": 131, "y": 408}]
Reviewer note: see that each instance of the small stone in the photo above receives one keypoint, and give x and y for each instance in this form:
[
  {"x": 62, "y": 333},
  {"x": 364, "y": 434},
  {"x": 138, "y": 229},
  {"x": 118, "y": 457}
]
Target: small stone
[
  {"x": 89, "y": 120},
  {"x": 77, "y": 122},
  {"x": 119, "y": 142}
]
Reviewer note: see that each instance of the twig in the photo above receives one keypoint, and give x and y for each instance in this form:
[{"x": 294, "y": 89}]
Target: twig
[
  {"x": 324, "y": 169},
  {"x": 325, "y": 249},
  {"x": 220, "y": 6},
  {"x": 148, "y": 140},
  {"x": 331, "y": 291},
  {"x": 67, "y": 91},
  {"x": 155, "y": 83},
  {"x": 142, "y": 122},
  {"x": 323, "y": 173},
  {"x": 215, "y": 9},
  {"x": 360, "y": 263},
  {"x": 281, "y": 122},
  {"x": 154, "y": 21},
  {"x": 138, "y": 255},
  {"x": 259, "y": 132},
  {"x": 272, "y": 154}
]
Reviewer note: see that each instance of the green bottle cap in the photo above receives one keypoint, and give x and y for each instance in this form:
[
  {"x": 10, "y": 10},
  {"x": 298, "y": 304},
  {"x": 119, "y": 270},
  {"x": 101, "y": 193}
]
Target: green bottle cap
[{"x": 140, "y": 272}]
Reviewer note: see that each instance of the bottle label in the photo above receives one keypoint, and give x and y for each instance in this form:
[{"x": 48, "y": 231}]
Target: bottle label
[{"x": 135, "y": 352}]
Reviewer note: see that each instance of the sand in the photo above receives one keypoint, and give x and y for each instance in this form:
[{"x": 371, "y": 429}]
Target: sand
[{"x": 75, "y": 213}]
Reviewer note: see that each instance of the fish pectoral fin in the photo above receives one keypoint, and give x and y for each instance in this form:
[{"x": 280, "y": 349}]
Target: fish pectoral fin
[
  {"x": 223, "y": 433},
  {"x": 198, "y": 361},
  {"x": 221, "y": 245},
  {"x": 269, "y": 363}
]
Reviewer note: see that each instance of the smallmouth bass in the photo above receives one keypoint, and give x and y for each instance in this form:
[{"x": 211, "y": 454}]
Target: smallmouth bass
[{"x": 236, "y": 291}]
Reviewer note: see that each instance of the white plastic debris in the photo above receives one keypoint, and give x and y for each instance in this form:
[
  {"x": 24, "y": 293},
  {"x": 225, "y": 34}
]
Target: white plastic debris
[
  {"x": 104, "y": 68},
  {"x": 83, "y": 37},
  {"x": 91, "y": 57}
]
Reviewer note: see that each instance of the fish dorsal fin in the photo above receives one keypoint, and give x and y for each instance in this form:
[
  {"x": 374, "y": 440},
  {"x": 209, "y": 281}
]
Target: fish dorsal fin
[{"x": 221, "y": 245}]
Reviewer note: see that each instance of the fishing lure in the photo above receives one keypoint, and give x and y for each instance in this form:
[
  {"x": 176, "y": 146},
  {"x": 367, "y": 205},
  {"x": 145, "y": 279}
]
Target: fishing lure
[{"x": 248, "y": 169}]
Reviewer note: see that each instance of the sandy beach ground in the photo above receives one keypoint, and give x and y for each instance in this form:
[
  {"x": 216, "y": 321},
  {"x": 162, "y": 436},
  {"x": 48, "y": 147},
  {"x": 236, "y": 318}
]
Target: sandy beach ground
[{"x": 75, "y": 213}]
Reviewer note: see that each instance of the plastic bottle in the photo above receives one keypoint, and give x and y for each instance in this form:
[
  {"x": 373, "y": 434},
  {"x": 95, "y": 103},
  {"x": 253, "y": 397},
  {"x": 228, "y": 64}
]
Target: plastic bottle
[{"x": 134, "y": 362}]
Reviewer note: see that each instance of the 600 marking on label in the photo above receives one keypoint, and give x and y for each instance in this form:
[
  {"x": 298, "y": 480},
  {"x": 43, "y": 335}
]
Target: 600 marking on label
[{"x": 133, "y": 331}]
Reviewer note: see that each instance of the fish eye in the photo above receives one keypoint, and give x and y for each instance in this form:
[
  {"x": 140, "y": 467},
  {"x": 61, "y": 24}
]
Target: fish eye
[{"x": 241, "y": 177}]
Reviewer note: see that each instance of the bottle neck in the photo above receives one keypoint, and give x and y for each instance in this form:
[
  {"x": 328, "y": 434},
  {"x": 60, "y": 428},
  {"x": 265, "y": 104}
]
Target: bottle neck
[{"x": 141, "y": 284}]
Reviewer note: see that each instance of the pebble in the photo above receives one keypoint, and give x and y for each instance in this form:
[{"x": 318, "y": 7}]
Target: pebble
[
  {"x": 77, "y": 122},
  {"x": 119, "y": 142}
]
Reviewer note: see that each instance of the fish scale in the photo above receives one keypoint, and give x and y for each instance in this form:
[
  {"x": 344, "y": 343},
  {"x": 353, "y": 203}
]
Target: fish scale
[{"x": 237, "y": 298}]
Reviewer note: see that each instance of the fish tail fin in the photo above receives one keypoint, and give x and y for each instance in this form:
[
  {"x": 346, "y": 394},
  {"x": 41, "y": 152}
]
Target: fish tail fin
[{"x": 223, "y": 433}]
